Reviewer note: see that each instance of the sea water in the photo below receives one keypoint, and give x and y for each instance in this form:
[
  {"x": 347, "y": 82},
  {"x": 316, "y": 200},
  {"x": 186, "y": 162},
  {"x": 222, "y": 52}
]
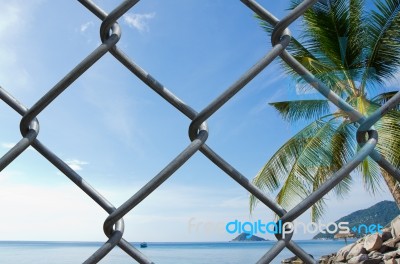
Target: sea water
[{"x": 160, "y": 253}]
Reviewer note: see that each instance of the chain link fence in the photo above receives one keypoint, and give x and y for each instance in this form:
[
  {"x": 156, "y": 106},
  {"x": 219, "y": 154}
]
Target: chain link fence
[{"x": 110, "y": 33}]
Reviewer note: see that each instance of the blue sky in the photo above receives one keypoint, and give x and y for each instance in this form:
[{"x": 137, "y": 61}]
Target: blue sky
[{"x": 118, "y": 134}]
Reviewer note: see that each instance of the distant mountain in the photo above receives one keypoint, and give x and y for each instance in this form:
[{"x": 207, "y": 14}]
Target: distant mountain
[
  {"x": 381, "y": 213},
  {"x": 243, "y": 237}
]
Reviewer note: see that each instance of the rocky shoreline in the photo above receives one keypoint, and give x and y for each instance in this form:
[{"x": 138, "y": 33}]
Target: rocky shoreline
[{"x": 378, "y": 248}]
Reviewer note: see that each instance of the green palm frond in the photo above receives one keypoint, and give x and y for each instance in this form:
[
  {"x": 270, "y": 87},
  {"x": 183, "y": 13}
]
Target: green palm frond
[
  {"x": 343, "y": 144},
  {"x": 356, "y": 36},
  {"x": 371, "y": 175},
  {"x": 382, "y": 98},
  {"x": 275, "y": 172},
  {"x": 344, "y": 187},
  {"x": 383, "y": 44},
  {"x": 292, "y": 111},
  {"x": 388, "y": 128},
  {"x": 327, "y": 28},
  {"x": 319, "y": 66},
  {"x": 334, "y": 30},
  {"x": 343, "y": 147},
  {"x": 295, "y": 165},
  {"x": 292, "y": 191},
  {"x": 327, "y": 31},
  {"x": 318, "y": 210}
]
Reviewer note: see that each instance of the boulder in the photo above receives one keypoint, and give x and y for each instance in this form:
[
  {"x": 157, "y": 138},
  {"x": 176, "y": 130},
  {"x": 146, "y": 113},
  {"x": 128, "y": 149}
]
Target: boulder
[
  {"x": 385, "y": 249},
  {"x": 373, "y": 242},
  {"x": 358, "y": 259},
  {"x": 289, "y": 260},
  {"x": 386, "y": 234},
  {"x": 343, "y": 252},
  {"x": 390, "y": 261},
  {"x": 375, "y": 255},
  {"x": 387, "y": 228},
  {"x": 297, "y": 261},
  {"x": 293, "y": 260},
  {"x": 395, "y": 226},
  {"x": 332, "y": 259},
  {"x": 326, "y": 259},
  {"x": 371, "y": 261},
  {"x": 358, "y": 249},
  {"x": 391, "y": 243},
  {"x": 360, "y": 240},
  {"x": 391, "y": 254}
]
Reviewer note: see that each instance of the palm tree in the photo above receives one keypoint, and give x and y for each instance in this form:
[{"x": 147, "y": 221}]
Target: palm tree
[{"x": 356, "y": 52}]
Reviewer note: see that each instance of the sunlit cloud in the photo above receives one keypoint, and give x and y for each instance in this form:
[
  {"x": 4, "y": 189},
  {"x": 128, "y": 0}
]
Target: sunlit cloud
[
  {"x": 75, "y": 164},
  {"x": 7, "y": 145},
  {"x": 10, "y": 145},
  {"x": 139, "y": 21},
  {"x": 86, "y": 26},
  {"x": 11, "y": 16}
]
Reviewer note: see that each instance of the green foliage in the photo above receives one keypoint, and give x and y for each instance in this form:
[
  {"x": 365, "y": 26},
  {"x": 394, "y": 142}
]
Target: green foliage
[
  {"x": 383, "y": 43},
  {"x": 292, "y": 111},
  {"x": 350, "y": 49}
]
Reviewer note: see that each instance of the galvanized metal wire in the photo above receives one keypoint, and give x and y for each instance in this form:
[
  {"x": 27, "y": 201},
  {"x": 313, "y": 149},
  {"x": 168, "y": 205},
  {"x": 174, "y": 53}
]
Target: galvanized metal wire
[{"x": 110, "y": 33}]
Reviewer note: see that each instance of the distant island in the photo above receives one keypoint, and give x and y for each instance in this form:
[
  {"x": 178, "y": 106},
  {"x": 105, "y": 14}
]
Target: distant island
[
  {"x": 243, "y": 237},
  {"x": 381, "y": 213}
]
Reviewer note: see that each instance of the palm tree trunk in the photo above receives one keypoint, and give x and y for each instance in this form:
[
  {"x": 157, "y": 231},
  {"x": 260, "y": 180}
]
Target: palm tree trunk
[{"x": 393, "y": 186}]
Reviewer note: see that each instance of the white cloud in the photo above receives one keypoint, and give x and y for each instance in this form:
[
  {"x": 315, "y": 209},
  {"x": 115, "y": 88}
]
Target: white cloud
[
  {"x": 11, "y": 14},
  {"x": 7, "y": 145},
  {"x": 76, "y": 165},
  {"x": 52, "y": 212},
  {"x": 86, "y": 30},
  {"x": 10, "y": 145},
  {"x": 139, "y": 21},
  {"x": 85, "y": 26},
  {"x": 7, "y": 175}
]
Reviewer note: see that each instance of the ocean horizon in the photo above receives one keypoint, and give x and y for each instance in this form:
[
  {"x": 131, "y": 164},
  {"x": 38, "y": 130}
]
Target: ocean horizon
[{"x": 63, "y": 252}]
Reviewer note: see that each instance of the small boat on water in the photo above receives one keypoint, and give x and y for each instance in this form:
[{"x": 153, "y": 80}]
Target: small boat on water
[{"x": 143, "y": 245}]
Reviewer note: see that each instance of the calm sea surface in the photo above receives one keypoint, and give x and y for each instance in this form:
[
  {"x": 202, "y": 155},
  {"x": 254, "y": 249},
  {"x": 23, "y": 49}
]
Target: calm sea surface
[{"x": 160, "y": 253}]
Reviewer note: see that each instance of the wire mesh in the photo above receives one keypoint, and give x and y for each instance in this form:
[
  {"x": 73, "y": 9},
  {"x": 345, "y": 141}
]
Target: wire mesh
[{"x": 114, "y": 225}]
